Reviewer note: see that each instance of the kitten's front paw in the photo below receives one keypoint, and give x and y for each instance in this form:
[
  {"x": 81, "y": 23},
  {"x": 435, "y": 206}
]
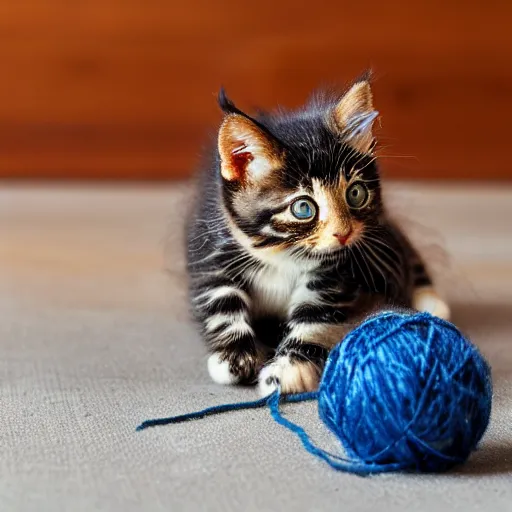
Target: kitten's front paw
[
  {"x": 426, "y": 299},
  {"x": 293, "y": 376},
  {"x": 233, "y": 368}
]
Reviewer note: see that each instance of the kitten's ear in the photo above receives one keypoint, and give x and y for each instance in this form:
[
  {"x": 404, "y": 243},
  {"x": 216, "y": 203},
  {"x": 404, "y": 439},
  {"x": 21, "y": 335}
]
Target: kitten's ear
[
  {"x": 247, "y": 150},
  {"x": 354, "y": 116}
]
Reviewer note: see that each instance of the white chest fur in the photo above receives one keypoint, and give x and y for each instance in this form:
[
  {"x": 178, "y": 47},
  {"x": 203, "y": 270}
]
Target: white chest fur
[{"x": 278, "y": 285}]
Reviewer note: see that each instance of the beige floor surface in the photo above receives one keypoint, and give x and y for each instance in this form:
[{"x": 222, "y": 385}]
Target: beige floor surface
[{"x": 95, "y": 337}]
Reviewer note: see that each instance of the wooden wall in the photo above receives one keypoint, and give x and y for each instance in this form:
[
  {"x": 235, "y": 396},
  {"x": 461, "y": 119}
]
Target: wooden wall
[{"x": 126, "y": 88}]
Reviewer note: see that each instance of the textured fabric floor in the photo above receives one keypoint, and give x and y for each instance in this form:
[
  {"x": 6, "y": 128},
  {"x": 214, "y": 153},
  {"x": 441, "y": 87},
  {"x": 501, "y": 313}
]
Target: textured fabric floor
[{"x": 95, "y": 337}]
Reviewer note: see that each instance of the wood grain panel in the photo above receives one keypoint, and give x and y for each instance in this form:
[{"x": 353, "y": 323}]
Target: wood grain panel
[{"x": 126, "y": 88}]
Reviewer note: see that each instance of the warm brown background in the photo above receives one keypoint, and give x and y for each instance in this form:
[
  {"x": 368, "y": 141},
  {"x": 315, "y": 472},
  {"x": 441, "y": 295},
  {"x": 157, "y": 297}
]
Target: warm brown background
[{"x": 126, "y": 88}]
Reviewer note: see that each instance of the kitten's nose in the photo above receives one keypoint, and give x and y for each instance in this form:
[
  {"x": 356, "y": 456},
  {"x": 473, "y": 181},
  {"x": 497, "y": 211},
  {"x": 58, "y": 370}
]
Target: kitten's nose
[{"x": 343, "y": 238}]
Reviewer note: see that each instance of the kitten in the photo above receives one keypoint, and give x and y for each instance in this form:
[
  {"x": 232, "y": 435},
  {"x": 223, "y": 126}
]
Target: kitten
[{"x": 290, "y": 243}]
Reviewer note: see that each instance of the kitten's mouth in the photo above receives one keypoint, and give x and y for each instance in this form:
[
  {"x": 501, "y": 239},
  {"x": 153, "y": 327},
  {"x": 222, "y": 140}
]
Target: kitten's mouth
[
  {"x": 329, "y": 255},
  {"x": 336, "y": 251}
]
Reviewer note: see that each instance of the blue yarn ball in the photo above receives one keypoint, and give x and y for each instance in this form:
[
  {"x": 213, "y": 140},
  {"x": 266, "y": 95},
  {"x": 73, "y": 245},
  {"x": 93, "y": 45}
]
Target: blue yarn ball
[{"x": 406, "y": 391}]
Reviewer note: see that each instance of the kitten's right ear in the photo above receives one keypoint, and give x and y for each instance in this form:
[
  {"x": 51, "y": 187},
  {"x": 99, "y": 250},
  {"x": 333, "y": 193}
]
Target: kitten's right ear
[
  {"x": 354, "y": 116},
  {"x": 247, "y": 151}
]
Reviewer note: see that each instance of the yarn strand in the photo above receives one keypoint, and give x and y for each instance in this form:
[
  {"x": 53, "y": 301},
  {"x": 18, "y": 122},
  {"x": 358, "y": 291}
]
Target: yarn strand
[
  {"x": 219, "y": 409},
  {"x": 335, "y": 461}
]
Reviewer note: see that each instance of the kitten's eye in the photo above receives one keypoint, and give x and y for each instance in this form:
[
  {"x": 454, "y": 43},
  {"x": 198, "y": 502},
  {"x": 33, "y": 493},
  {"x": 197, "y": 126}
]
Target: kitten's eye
[
  {"x": 357, "y": 195},
  {"x": 303, "y": 209}
]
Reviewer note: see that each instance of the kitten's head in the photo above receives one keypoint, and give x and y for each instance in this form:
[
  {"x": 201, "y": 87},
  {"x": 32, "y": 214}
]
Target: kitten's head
[{"x": 304, "y": 182}]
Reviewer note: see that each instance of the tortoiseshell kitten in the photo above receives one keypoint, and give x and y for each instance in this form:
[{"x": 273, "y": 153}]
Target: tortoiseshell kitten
[{"x": 290, "y": 242}]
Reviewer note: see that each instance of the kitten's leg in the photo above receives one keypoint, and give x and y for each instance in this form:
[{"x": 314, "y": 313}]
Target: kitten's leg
[
  {"x": 223, "y": 311},
  {"x": 427, "y": 299},
  {"x": 424, "y": 297},
  {"x": 312, "y": 330}
]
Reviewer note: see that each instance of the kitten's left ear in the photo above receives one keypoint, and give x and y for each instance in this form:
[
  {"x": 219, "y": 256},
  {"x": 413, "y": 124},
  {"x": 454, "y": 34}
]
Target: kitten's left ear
[
  {"x": 354, "y": 116},
  {"x": 248, "y": 152}
]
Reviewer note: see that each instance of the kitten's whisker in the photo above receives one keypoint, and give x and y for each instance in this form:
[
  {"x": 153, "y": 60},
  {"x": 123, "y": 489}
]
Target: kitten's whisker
[
  {"x": 361, "y": 251},
  {"x": 210, "y": 220},
  {"x": 391, "y": 275},
  {"x": 207, "y": 257},
  {"x": 248, "y": 269},
  {"x": 339, "y": 166},
  {"x": 252, "y": 273},
  {"x": 375, "y": 264},
  {"x": 240, "y": 260},
  {"x": 371, "y": 161},
  {"x": 382, "y": 244},
  {"x": 400, "y": 156},
  {"x": 348, "y": 156},
  {"x": 206, "y": 240},
  {"x": 212, "y": 255},
  {"x": 359, "y": 266},
  {"x": 300, "y": 253},
  {"x": 394, "y": 270},
  {"x": 208, "y": 232},
  {"x": 366, "y": 180},
  {"x": 379, "y": 238}
]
